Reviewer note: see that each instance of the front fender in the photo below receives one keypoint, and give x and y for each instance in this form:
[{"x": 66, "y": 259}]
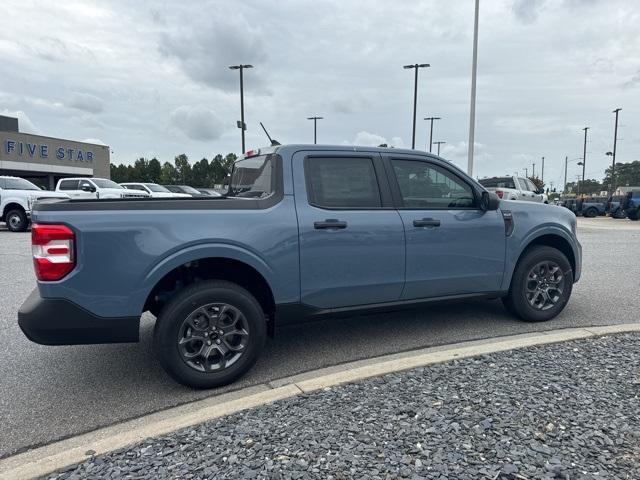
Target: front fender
[{"x": 517, "y": 244}]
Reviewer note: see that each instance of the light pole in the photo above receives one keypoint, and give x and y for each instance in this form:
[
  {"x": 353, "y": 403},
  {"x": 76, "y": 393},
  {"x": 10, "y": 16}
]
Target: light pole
[
  {"x": 566, "y": 161},
  {"x": 241, "y": 125},
  {"x": 472, "y": 110},
  {"x": 578, "y": 177},
  {"x": 526, "y": 172},
  {"x": 533, "y": 171},
  {"x": 584, "y": 152},
  {"x": 438, "y": 144},
  {"x": 615, "y": 142},
  {"x": 315, "y": 129},
  {"x": 431, "y": 119},
  {"x": 542, "y": 170},
  {"x": 415, "y": 66}
]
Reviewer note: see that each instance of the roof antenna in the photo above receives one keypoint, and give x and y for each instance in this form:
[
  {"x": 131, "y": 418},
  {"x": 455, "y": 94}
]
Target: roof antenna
[{"x": 273, "y": 142}]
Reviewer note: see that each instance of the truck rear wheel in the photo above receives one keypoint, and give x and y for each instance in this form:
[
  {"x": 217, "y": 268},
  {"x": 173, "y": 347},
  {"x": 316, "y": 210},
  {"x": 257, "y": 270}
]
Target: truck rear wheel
[
  {"x": 591, "y": 212},
  {"x": 210, "y": 334},
  {"x": 17, "y": 220},
  {"x": 541, "y": 285}
]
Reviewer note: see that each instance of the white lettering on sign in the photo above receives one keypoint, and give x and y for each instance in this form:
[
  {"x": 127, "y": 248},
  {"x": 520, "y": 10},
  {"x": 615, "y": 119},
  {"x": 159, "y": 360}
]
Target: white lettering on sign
[{"x": 32, "y": 150}]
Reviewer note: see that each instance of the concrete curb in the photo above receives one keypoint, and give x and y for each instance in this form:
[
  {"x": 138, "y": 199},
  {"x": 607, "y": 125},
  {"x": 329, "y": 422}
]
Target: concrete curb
[{"x": 58, "y": 455}]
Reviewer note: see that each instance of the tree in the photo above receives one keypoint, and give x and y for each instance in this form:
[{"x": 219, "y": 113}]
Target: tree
[
  {"x": 537, "y": 182},
  {"x": 201, "y": 174},
  {"x": 183, "y": 169},
  {"x": 217, "y": 171},
  {"x": 588, "y": 187},
  {"x": 627, "y": 174},
  {"x": 154, "y": 169},
  {"x": 140, "y": 170},
  {"x": 228, "y": 161},
  {"x": 168, "y": 175}
]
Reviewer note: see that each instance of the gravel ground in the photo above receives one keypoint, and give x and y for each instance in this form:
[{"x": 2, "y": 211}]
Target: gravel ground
[{"x": 568, "y": 410}]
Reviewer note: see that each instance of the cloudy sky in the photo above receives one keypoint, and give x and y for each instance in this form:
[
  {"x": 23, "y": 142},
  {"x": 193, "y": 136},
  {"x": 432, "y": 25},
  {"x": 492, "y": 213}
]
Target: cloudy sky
[{"x": 151, "y": 78}]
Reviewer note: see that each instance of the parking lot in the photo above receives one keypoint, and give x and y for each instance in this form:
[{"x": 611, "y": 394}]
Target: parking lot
[{"x": 47, "y": 393}]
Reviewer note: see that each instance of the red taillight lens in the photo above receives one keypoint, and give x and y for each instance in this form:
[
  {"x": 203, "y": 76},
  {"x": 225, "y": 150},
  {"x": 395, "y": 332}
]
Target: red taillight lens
[
  {"x": 53, "y": 251},
  {"x": 500, "y": 193}
]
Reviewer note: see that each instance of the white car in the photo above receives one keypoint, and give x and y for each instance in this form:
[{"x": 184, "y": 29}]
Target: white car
[
  {"x": 153, "y": 189},
  {"x": 96, "y": 188},
  {"x": 17, "y": 196},
  {"x": 514, "y": 188}
]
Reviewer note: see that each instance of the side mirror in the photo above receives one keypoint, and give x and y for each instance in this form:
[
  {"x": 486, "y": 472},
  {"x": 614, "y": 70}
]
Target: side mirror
[
  {"x": 489, "y": 201},
  {"x": 88, "y": 188}
]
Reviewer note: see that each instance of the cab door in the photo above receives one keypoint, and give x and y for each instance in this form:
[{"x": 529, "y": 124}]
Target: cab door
[
  {"x": 351, "y": 237},
  {"x": 453, "y": 246}
]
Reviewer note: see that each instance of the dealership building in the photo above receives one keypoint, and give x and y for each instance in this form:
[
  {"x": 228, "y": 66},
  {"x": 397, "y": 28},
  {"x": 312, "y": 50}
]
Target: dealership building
[{"x": 45, "y": 160}]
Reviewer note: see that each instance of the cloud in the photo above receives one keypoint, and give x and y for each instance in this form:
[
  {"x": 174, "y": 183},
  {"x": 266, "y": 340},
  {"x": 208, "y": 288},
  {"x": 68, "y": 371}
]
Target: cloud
[
  {"x": 351, "y": 104},
  {"x": 95, "y": 141},
  {"x": 86, "y": 102},
  {"x": 205, "y": 49},
  {"x": 25, "y": 125},
  {"x": 527, "y": 10},
  {"x": 368, "y": 139},
  {"x": 197, "y": 123}
]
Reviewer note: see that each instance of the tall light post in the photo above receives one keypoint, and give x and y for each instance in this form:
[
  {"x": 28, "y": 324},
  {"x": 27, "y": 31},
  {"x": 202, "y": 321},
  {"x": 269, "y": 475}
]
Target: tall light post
[
  {"x": 542, "y": 170},
  {"x": 415, "y": 66},
  {"x": 615, "y": 142},
  {"x": 431, "y": 119},
  {"x": 315, "y": 129},
  {"x": 438, "y": 144},
  {"x": 241, "y": 125},
  {"x": 472, "y": 110},
  {"x": 566, "y": 161},
  {"x": 584, "y": 153},
  {"x": 533, "y": 171},
  {"x": 526, "y": 172}
]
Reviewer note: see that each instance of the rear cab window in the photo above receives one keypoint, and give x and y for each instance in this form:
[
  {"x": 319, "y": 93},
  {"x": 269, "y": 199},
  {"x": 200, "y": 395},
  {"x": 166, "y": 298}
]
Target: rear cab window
[
  {"x": 253, "y": 177},
  {"x": 68, "y": 185},
  {"x": 498, "y": 182}
]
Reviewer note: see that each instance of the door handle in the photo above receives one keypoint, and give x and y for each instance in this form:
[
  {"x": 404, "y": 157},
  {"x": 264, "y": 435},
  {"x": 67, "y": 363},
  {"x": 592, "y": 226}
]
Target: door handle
[
  {"x": 330, "y": 223},
  {"x": 426, "y": 222}
]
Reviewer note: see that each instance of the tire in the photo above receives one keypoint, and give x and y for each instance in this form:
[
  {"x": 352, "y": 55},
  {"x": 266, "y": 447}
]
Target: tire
[
  {"x": 523, "y": 288},
  {"x": 192, "y": 315},
  {"x": 591, "y": 212},
  {"x": 634, "y": 214},
  {"x": 619, "y": 213},
  {"x": 16, "y": 220}
]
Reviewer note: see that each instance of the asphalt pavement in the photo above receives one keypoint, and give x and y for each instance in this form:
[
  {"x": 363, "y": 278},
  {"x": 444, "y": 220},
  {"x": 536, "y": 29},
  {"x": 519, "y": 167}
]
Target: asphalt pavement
[{"x": 49, "y": 393}]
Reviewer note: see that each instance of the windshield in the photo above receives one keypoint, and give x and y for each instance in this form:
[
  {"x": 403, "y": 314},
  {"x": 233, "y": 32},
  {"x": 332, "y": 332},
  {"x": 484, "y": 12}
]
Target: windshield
[
  {"x": 252, "y": 177},
  {"x": 19, "y": 184},
  {"x": 154, "y": 187},
  {"x": 103, "y": 183},
  {"x": 499, "y": 182}
]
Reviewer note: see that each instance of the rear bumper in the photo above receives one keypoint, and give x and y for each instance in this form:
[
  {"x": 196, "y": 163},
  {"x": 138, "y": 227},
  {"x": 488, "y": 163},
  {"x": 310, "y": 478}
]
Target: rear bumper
[{"x": 56, "y": 321}]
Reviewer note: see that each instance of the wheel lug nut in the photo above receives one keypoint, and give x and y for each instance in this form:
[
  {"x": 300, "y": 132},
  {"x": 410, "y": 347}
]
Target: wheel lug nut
[
  {"x": 218, "y": 341},
  {"x": 208, "y": 342}
]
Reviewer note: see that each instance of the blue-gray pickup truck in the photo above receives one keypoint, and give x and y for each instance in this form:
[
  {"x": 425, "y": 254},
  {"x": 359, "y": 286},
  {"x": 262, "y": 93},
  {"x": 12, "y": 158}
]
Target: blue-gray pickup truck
[{"x": 303, "y": 231}]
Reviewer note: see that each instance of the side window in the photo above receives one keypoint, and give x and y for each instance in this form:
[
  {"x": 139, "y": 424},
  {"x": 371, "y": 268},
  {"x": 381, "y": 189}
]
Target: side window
[
  {"x": 69, "y": 185},
  {"x": 424, "y": 185},
  {"x": 84, "y": 183},
  {"x": 347, "y": 182},
  {"x": 523, "y": 184},
  {"x": 531, "y": 185}
]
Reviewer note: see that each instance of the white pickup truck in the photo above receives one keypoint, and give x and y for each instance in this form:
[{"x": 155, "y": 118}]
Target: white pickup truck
[
  {"x": 96, "y": 188},
  {"x": 17, "y": 196},
  {"x": 514, "y": 188}
]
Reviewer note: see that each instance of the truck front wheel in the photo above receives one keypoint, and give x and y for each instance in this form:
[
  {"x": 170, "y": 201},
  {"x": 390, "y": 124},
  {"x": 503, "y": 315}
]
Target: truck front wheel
[
  {"x": 17, "y": 221},
  {"x": 210, "y": 334},
  {"x": 541, "y": 285}
]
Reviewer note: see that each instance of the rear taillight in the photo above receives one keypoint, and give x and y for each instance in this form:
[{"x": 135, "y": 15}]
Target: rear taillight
[
  {"x": 53, "y": 251},
  {"x": 500, "y": 193}
]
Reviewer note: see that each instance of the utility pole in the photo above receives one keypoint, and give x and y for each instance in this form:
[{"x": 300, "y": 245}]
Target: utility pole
[
  {"x": 431, "y": 119},
  {"x": 438, "y": 144},
  {"x": 241, "y": 125},
  {"x": 415, "y": 66},
  {"x": 315, "y": 130},
  {"x": 533, "y": 172},
  {"x": 542, "y": 170},
  {"x": 615, "y": 142},
  {"x": 566, "y": 160},
  {"x": 526, "y": 172},
  {"x": 584, "y": 153},
  {"x": 472, "y": 109}
]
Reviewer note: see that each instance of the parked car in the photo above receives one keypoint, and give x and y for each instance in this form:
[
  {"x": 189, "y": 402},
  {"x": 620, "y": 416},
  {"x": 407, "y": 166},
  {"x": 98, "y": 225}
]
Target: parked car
[
  {"x": 154, "y": 190},
  {"x": 209, "y": 191},
  {"x": 614, "y": 206},
  {"x": 631, "y": 205},
  {"x": 17, "y": 197},
  {"x": 185, "y": 189},
  {"x": 305, "y": 231},
  {"x": 514, "y": 188},
  {"x": 591, "y": 207},
  {"x": 96, "y": 188}
]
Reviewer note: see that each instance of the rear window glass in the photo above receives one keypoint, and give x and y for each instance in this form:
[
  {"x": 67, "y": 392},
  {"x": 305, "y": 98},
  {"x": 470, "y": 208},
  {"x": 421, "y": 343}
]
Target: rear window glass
[
  {"x": 253, "y": 177},
  {"x": 498, "y": 182},
  {"x": 69, "y": 185}
]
